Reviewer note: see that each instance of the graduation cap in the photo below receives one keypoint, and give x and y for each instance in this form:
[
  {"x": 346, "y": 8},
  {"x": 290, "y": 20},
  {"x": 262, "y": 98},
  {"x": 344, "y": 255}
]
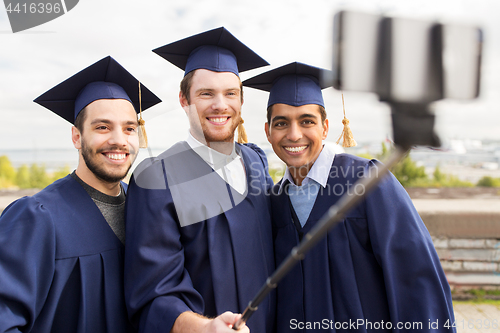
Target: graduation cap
[
  {"x": 105, "y": 79},
  {"x": 216, "y": 50},
  {"x": 298, "y": 84},
  {"x": 294, "y": 84}
]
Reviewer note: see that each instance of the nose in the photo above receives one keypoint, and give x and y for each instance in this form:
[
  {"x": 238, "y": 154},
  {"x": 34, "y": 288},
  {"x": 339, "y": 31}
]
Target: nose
[
  {"x": 219, "y": 103},
  {"x": 118, "y": 138},
  {"x": 294, "y": 132}
]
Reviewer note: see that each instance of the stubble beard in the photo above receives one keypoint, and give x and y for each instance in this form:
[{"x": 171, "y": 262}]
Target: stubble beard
[
  {"x": 201, "y": 129},
  {"x": 97, "y": 169}
]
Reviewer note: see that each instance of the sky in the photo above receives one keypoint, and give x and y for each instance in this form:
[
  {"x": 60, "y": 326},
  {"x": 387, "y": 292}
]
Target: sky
[{"x": 281, "y": 31}]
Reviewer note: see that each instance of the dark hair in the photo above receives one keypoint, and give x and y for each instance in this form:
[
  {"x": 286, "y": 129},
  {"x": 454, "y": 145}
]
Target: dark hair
[
  {"x": 80, "y": 119},
  {"x": 187, "y": 82},
  {"x": 322, "y": 112}
]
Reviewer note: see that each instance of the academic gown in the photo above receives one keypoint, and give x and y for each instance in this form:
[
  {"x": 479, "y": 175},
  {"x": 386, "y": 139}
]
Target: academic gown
[
  {"x": 377, "y": 266},
  {"x": 61, "y": 265},
  {"x": 215, "y": 265}
]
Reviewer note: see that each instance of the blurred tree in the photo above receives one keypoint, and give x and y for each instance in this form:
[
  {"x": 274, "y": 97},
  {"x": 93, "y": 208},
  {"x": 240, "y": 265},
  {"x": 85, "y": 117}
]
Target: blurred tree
[
  {"x": 23, "y": 177},
  {"x": 488, "y": 181},
  {"x": 7, "y": 173},
  {"x": 438, "y": 175},
  {"x": 406, "y": 171},
  {"x": 60, "y": 173},
  {"x": 411, "y": 175},
  {"x": 38, "y": 176},
  {"x": 276, "y": 174}
]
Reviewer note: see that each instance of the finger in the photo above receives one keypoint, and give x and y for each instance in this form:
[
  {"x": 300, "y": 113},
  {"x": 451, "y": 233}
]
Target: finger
[{"x": 229, "y": 318}]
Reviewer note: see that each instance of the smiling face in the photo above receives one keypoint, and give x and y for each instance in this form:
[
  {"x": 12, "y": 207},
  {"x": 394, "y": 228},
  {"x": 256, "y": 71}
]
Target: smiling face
[
  {"x": 214, "y": 107},
  {"x": 296, "y": 134},
  {"x": 108, "y": 142}
]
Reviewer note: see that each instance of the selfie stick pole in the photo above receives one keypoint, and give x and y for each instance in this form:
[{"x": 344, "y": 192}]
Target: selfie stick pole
[{"x": 331, "y": 218}]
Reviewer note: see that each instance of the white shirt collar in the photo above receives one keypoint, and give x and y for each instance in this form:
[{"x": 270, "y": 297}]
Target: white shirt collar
[
  {"x": 320, "y": 170},
  {"x": 213, "y": 158}
]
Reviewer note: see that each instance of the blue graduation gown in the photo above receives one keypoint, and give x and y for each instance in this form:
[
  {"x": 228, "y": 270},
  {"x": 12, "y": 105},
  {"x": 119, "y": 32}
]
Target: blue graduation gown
[
  {"x": 61, "y": 265},
  {"x": 208, "y": 267},
  {"x": 378, "y": 265}
]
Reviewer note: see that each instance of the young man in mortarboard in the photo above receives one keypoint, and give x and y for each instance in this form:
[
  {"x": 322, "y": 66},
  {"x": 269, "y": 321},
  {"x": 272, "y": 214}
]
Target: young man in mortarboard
[
  {"x": 377, "y": 271},
  {"x": 61, "y": 250},
  {"x": 199, "y": 239}
]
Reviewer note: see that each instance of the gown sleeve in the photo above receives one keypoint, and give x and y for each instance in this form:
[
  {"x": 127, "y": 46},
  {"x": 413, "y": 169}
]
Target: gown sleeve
[
  {"x": 27, "y": 263},
  {"x": 269, "y": 181},
  {"x": 416, "y": 286},
  {"x": 158, "y": 288}
]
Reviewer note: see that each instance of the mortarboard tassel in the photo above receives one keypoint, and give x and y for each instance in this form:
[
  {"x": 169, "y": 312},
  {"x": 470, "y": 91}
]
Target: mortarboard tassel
[
  {"x": 346, "y": 135},
  {"x": 242, "y": 133},
  {"x": 143, "y": 138}
]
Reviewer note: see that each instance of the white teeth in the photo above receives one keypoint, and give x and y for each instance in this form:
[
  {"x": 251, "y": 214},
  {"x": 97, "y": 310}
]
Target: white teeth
[
  {"x": 116, "y": 156},
  {"x": 295, "y": 149},
  {"x": 218, "y": 120}
]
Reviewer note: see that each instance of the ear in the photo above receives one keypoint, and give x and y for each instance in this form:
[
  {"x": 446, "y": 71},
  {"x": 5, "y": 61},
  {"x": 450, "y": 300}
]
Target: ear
[
  {"x": 183, "y": 101},
  {"x": 266, "y": 128},
  {"x": 325, "y": 129},
  {"x": 76, "y": 137}
]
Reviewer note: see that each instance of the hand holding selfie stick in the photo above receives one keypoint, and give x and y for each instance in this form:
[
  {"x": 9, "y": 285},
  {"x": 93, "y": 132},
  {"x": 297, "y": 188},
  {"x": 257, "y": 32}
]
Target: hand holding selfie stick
[{"x": 368, "y": 57}]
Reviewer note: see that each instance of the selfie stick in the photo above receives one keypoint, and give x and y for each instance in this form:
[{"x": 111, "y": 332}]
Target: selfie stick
[
  {"x": 412, "y": 119},
  {"x": 329, "y": 220}
]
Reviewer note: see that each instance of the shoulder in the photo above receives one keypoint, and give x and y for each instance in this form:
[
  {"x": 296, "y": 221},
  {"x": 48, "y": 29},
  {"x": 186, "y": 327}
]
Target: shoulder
[
  {"x": 177, "y": 162},
  {"x": 28, "y": 211},
  {"x": 57, "y": 189},
  {"x": 355, "y": 165},
  {"x": 149, "y": 173},
  {"x": 253, "y": 151},
  {"x": 349, "y": 160},
  {"x": 251, "y": 146}
]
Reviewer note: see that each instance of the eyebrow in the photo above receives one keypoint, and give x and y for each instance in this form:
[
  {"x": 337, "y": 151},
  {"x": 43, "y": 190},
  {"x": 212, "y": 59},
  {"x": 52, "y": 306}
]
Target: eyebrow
[
  {"x": 308, "y": 115},
  {"x": 107, "y": 121},
  {"x": 277, "y": 118},
  {"x": 98, "y": 120},
  {"x": 211, "y": 89},
  {"x": 302, "y": 116},
  {"x": 204, "y": 89}
]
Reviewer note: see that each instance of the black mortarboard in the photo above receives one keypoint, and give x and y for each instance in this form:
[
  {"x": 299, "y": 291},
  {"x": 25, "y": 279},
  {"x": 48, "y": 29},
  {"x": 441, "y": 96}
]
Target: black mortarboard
[
  {"x": 106, "y": 79},
  {"x": 294, "y": 84},
  {"x": 216, "y": 50}
]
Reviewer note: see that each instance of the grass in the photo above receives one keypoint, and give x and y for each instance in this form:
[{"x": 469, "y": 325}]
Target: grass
[
  {"x": 494, "y": 302},
  {"x": 479, "y": 296}
]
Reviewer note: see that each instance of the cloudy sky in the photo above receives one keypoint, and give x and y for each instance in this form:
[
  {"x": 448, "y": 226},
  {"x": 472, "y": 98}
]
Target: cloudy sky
[{"x": 281, "y": 31}]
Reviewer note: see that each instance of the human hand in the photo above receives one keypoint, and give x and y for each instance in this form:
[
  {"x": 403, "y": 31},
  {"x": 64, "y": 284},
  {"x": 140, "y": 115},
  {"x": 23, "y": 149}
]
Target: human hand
[{"x": 224, "y": 323}]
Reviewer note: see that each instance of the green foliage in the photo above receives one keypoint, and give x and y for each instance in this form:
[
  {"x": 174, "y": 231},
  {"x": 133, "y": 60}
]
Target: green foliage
[
  {"x": 23, "y": 177},
  {"x": 365, "y": 155},
  {"x": 276, "y": 174},
  {"x": 488, "y": 181},
  {"x": 38, "y": 176},
  {"x": 7, "y": 172},
  {"x": 61, "y": 172},
  {"x": 438, "y": 175},
  {"x": 411, "y": 175},
  {"x": 34, "y": 176},
  {"x": 406, "y": 171},
  {"x": 441, "y": 179}
]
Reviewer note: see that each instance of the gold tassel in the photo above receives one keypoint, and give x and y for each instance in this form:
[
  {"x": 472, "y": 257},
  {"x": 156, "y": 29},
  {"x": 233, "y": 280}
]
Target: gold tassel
[
  {"x": 143, "y": 138},
  {"x": 242, "y": 134},
  {"x": 346, "y": 135}
]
